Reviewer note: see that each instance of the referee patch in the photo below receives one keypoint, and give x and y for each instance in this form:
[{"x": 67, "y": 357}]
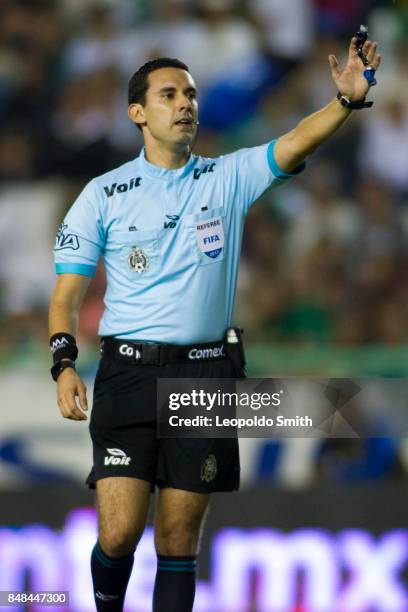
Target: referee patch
[{"x": 210, "y": 237}]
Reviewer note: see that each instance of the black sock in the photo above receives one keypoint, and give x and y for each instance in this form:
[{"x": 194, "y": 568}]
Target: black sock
[
  {"x": 174, "y": 588},
  {"x": 110, "y": 578}
]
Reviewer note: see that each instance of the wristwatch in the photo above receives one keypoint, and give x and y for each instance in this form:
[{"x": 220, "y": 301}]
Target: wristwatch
[
  {"x": 344, "y": 101},
  {"x": 60, "y": 366}
]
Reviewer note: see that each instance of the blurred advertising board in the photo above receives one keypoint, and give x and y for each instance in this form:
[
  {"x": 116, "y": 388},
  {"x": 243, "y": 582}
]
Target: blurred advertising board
[{"x": 330, "y": 549}]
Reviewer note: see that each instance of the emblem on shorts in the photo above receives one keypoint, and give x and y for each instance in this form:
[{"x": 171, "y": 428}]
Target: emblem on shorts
[
  {"x": 138, "y": 260},
  {"x": 209, "y": 469},
  {"x": 116, "y": 456}
]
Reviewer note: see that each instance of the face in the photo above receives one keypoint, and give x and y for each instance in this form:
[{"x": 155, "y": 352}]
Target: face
[{"x": 170, "y": 111}]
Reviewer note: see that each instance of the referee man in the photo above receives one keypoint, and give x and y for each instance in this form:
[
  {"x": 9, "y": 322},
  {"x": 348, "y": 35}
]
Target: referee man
[{"x": 168, "y": 225}]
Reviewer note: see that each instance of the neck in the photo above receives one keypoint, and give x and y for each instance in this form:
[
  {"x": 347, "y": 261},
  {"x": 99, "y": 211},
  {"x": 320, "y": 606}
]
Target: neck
[{"x": 167, "y": 158}]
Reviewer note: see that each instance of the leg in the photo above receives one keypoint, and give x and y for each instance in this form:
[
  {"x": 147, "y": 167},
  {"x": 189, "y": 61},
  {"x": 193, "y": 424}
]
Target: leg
[
  {"x": 178, "y": 521},
  {"x": 122, "y": 509}
]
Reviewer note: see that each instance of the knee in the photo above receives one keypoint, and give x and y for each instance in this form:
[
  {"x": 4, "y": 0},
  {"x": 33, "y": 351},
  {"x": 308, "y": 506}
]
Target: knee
[
  {"x": 177, "y": 540},
  {"x": 117, "y": 541}
]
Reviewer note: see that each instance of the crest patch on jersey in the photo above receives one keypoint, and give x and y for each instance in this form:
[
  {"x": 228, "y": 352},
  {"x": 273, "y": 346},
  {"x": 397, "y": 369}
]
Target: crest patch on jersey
[
  {"x": 138, "y": 260},
  {"x": 210, "y": 237},
  {"x": 65, "y": 240}
]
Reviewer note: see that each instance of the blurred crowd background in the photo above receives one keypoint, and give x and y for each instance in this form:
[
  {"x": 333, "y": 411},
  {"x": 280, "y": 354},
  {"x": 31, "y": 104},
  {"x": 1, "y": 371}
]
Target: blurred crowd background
[{"x": 324, "y": 259}]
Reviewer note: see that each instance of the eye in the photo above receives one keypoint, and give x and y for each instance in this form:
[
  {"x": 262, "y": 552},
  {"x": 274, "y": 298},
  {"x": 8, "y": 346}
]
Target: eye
[{"x": 168, "y": 95}]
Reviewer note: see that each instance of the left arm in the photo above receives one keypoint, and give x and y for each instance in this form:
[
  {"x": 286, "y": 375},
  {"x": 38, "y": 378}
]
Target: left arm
[{"x": 293, "y": 147}]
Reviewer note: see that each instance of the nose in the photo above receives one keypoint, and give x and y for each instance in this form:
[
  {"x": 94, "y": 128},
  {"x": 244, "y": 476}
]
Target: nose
[{"x": 185, "y": 103}]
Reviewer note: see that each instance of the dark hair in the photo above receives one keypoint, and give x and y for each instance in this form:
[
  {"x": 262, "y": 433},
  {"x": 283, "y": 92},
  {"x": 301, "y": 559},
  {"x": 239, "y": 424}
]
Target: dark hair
[{"x": 138, "y": 84}]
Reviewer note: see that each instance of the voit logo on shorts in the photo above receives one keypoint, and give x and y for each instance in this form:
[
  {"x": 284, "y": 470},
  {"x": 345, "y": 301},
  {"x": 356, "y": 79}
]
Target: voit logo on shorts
[{"x": 116, "y": 457}]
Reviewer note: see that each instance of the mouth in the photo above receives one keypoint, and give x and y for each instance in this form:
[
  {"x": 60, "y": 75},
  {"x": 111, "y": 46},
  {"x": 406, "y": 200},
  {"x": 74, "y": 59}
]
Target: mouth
[{"x": 185, "y": 121}]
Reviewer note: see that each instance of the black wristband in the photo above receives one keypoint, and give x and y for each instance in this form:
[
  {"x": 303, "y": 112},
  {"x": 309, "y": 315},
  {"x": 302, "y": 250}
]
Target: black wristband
[
  {"x": 344, "y": 101},
  {"x": 60, "y": 366},
  {"x": 63, "y": 346}
]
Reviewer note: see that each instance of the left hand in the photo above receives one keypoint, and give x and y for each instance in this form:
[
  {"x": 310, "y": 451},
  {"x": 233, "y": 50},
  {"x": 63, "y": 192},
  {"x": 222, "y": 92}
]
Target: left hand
[{"x": 351, "y": 81}]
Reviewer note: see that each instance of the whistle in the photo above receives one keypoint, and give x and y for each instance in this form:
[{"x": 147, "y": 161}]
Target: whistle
[{"x": 362, "y": 36}]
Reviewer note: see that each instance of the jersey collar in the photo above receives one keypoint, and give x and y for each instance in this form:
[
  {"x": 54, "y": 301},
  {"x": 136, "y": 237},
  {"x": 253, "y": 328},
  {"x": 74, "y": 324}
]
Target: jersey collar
[{"x": 165, "y": 173}]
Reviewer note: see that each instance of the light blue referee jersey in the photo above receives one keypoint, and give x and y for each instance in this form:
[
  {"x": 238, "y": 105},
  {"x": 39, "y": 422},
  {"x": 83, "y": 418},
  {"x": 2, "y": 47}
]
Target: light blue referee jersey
[{"x": 170, "y": 241}]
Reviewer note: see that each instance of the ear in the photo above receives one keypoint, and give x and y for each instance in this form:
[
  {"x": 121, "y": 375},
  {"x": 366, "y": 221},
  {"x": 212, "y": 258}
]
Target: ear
[{"x": 136, "y": 114}]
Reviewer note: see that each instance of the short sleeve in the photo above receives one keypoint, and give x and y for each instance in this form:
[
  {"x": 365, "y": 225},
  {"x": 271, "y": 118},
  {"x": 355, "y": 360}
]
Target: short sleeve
[
  {"x": 80, "y": 237},
  {"x": 254, "y": 170}
]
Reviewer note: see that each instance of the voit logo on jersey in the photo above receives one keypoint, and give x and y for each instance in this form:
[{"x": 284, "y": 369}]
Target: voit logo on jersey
[{"x": 210, "y": 237}]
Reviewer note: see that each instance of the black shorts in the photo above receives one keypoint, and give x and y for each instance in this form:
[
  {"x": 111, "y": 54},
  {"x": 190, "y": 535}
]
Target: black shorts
[{"x": 123, "y": 429}]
